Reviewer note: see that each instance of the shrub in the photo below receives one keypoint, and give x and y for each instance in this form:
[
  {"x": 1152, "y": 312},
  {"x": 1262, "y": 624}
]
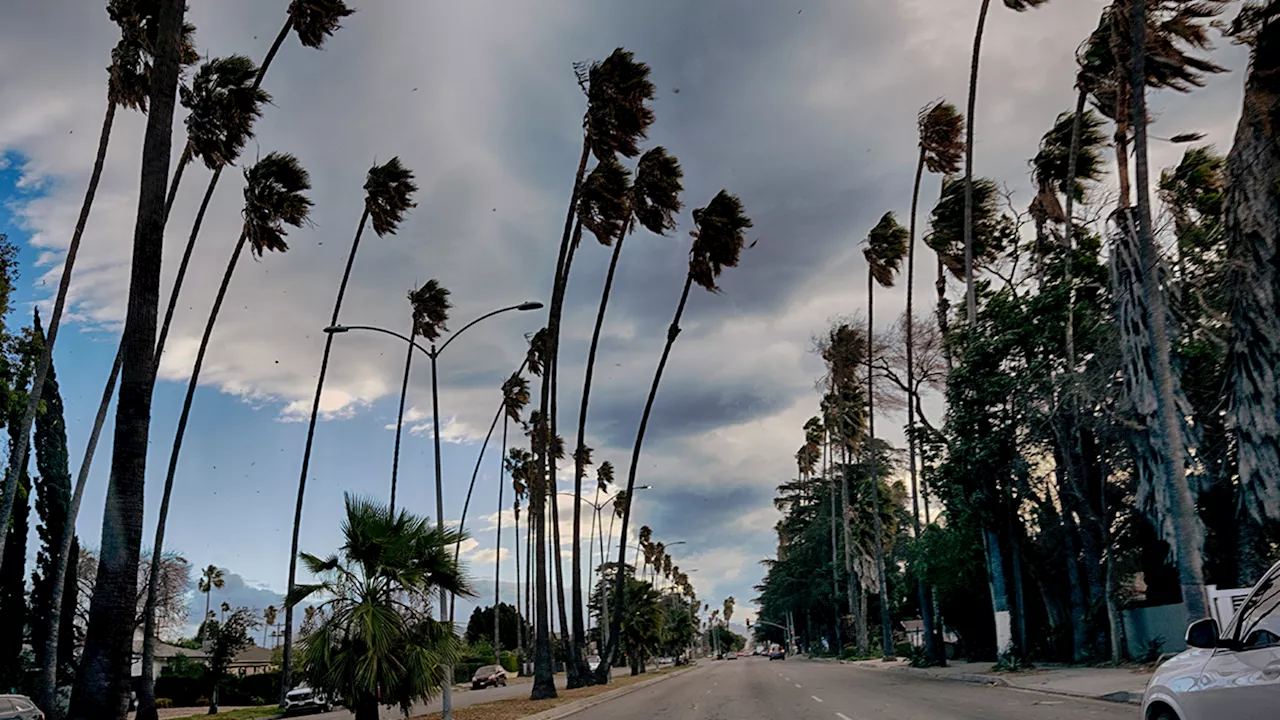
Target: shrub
[
  {"x": 202, "y": 701},
  {"x": 902, "y": 649},
  {"x": 163, "y": 703},
  {"x": 508, "y": 661}
]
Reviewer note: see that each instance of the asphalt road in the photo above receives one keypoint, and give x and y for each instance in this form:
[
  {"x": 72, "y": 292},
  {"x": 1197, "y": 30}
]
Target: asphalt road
[{"x": 796, "y": 689}]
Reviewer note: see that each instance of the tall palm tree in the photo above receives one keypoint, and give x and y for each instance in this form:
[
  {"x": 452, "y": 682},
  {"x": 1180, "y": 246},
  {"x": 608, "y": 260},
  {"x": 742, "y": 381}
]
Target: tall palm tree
[
  {"x": 429, "y": 306},
  {"x": 1171, "y": 20},
  {"x": 886, "y": 246},
  {"x": 273, "y": 198},
  {"x": 1252, "y": 229},
  {"x": 617, "y": 118},
  {"x": 211, "y": 578},
  {"x": 941, "y": 133},
  {"x": 114, "y": 601},
  {"x": 269, "y": 616},
  {"x": 389, "y": 190},
  {"x": 128, "y": 85},
  {"x": 515, "y": 397},
  {"x": 971, "y": 303},
  {"x": 610, "y": 208},
  {"x": 372, "y": 647},
  {"x": 717, "y": 244}
]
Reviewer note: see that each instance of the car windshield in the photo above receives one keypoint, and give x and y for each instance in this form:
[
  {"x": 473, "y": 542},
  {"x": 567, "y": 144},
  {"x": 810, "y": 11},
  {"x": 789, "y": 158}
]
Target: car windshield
[{"x": 392, "y": 343}]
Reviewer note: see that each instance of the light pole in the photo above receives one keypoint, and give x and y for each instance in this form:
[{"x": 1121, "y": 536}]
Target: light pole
[{"x": 434, "y": 354}]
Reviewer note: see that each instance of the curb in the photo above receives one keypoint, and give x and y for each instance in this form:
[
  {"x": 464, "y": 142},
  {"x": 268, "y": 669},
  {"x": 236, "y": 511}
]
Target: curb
[
  {"x": 578, "y": 706},
  {"x": 1122, "y": 696}
]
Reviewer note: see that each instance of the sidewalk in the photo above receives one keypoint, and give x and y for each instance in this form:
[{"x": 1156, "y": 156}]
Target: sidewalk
[{"x": 1124, "y": 685}]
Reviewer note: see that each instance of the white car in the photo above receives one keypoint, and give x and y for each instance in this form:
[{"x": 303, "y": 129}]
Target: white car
[
  {"x": 1233, "y": 674},
  {"x": 303, "y": 699}
]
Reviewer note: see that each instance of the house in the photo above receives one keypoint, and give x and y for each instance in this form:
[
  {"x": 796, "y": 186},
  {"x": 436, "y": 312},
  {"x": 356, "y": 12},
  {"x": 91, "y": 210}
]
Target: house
[
  {"x": 915, "y": 633},
  {"x": 250, "y": 661}
]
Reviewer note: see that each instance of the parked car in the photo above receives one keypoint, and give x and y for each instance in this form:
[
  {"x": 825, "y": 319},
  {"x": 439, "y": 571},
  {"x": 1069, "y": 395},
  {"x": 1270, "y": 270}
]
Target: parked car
[
  {"x": 19, "y": 707},
  {"x": 305, "y": 700},
  {"x": 731, "y": 656},
  {"x": 593, "y": 661},
  {"x": 489, "y": 676},
  {"x": 1226, "y": 674}
]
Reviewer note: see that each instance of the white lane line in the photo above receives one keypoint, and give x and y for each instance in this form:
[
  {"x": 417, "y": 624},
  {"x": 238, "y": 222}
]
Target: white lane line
[
  {"x": 815, "y": 697},
  {"x": 797, "y": 684},
  {"x": 842, "y": 716}
]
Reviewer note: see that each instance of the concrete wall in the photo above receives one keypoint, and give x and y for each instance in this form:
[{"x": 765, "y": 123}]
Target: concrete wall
[{"x": 1143, "y": 625}]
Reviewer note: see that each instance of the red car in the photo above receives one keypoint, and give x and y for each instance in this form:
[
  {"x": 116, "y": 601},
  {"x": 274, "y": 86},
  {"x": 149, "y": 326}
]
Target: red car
[{"x": 489, "y": 676}]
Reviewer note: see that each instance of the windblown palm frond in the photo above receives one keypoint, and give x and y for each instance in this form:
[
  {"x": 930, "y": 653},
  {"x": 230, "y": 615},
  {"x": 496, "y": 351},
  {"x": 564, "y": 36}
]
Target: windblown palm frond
[
  {"x": 604, "y": 476},
  {"x": 886, "y": 246},
  {"x": 718, "y": 239},
  {"x": 1051, "y": 164},
  {"x": 946, "y": 236},
  {"x": 655, "y": 194},
  {"x": 537, "y": 352},
  {"x": 941, "y": 129},
  {"x": 129, "y": 76},
  {"x": 618, "y": 115},
  {"x": 515, "y": 396},
  {"x": 317, "y": 20},
  {"x": 224, "y": 104},
  {"x": 273, "y": 198},
  {"x": 602, "y": 203},
  {"x": 389, "y": 190},
  {"x": 430, "y": 304}
]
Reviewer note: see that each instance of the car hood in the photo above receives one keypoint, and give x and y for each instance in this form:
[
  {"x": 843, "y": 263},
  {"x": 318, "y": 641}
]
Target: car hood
[{"x": 1181, "y": 672}]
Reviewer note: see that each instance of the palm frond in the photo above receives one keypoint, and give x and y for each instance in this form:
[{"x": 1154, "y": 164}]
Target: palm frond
[
  {"x": 224, "y": 104},
  {"x": 718, "y": 239},
  {"x": 618, "y": 114},
  {"x": 273, "y": 198},
  {"x": 1021, "y": 5},
  {"x": 430, "y": 304},
  {"x": 886, "y": 246},
  {"x": 946, "y": 236},
  {"x": 1051, "y": 164},
  {"x": 317, "y": 20},
  {"x": 604, "y": 476},
  {"x": 602, "y": 202},
  {"x": 515, "y": 396},
  {"x": 655, "y": 193},
  {"x": 941, "y": 129},
  {"x": 129, "y": 75},
  {"x": 537, "y": 352},
  {"x": 389, "y": 190}
]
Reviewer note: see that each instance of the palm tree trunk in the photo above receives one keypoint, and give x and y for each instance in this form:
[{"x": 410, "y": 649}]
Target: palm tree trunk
[
  {"x": 579, "y": 469},
  {"x": 544, "y": 686},
  {"x": 1188, "y": 541},
  {"x": 877, "y": 524},
  {"x": 520, "y": 612},
  {"x": 1077, "y": 127},
  {"x": 851, "y": 581},
  {"x": 404, "y": 392},
  {"x": 55, "y": 320},
  {"x": 932, "y": 649},
  {"x": 101, "y": 690},
  {"x": 285, "y": 672},
  {"x": 619, "y": 584},
  {"x": 183, "y": 160},
  {"x": 157, "y": 548},
  {"x": 971, "y": 302},
  {"x": 497, "y": 561},
  {"x": 835, "y": 546},
  {"x": 48, "y": 681}
]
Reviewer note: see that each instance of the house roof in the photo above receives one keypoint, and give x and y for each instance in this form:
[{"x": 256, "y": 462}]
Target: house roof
[
  {"x": 253, "y": 656},
  {"x": 165, "y": 650}
]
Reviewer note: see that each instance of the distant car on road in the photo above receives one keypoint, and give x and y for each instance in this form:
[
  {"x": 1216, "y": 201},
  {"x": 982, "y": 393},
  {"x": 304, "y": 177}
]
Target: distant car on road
[
  {"x": 305, "y": 700},
  {"x": 489, "y": 676},
  {"x": 1233, "y": 674},
  {"x": 19, "y": 707},
  {"x": 777, "y": 653}
]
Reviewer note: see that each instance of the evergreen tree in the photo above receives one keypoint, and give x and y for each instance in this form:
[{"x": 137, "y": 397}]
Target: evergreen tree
[{"x": 13, "y": 566}]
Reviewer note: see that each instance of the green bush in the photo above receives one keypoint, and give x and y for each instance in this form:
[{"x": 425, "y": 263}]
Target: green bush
[
  {"x": 902, "y": 649},
  {"x": 163, "y": 703},
  {"x": 509, "y": 661},
  {"x": 462, "y": 672}
]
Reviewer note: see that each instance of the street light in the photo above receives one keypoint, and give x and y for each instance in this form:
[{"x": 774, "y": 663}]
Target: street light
[{"x": 434, "y": 353}]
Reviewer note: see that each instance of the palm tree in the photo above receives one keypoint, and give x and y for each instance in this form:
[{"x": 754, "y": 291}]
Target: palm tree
[
  {"x": 269, "y": 616},
  {"x": 114, "y": 603},
  {"x": 429, "y": 307},
  {"x": 1173, "y": 22},
  {"x": 128, "y": 85},
  {"x": 376, "y": 645},
  {"x": 610, "y": 208},
  {"x": 1251, "y": 227},
  {"x": 617, "y": 117},
  {"x": 389, "y": 190},
  {"x": 886, "y": 246},
  {"x": 971, "y": 302},
  {"x": 515, "y": 396},
  {"x": 717, "y": 244},
  {"x": 211, "y": 578},
  {"x": 273, "y": 198}
]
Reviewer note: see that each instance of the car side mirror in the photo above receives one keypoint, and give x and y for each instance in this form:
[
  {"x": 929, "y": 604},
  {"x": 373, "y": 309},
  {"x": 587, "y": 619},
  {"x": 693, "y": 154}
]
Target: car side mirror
[{"x": 1203, "y": 634}]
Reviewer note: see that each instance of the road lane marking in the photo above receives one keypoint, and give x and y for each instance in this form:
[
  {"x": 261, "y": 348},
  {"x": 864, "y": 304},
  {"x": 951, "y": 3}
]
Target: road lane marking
[
  {"x": 797, "y": 684},
  {"x": 815, "y": 697},
  {"x": 842, "y": 716}
]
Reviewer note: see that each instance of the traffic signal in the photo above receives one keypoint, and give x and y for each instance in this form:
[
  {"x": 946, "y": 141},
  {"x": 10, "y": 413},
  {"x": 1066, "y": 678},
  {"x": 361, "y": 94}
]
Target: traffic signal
[{"x": 748, "y": 623}]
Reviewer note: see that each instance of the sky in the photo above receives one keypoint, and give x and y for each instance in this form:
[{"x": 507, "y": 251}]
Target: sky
[{"x": 804, "y": 109}]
